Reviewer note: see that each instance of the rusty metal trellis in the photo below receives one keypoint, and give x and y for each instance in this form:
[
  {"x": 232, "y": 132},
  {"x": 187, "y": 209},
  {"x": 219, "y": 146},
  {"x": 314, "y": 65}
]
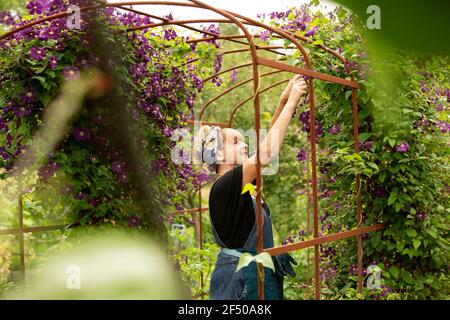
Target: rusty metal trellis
[{"x": 256, "y": 61}]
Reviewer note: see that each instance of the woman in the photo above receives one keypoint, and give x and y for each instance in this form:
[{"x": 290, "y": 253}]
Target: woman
[{"x": 232, "y": 212}]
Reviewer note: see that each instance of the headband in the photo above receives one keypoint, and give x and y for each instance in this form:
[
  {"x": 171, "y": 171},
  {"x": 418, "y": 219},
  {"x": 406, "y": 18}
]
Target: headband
[{"x": 210, "y": 145}]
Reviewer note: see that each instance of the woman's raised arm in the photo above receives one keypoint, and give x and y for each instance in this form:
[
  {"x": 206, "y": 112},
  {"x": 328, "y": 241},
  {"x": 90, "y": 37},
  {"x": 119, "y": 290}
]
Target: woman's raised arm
[{"x": 271, "y": 144}]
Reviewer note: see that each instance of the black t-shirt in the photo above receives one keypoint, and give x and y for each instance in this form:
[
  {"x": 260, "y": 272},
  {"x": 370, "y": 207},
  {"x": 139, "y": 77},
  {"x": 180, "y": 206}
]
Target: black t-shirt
[{"x": 231, "y": 212}]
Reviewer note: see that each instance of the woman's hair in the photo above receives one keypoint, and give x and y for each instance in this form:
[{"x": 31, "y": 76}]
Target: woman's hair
[{"x": 208, "y": 142}]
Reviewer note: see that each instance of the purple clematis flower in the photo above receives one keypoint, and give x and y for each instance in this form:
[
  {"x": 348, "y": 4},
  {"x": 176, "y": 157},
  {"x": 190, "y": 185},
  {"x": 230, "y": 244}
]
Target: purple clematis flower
[
  {"x": 71, "y": 72},
  {"x": 118, "y": 166},
  {"x": 302, "y": 155},
  {"x": 443, "y": 126},
  {"x": 37, "y": 6},
  {"x": 335, "y": 129},
  {"x": 53, "y": 62},
  {"x": 81, "y": 134},
  {"x": 234, "y": 75},
  {"x": 198, "y": 82},
  {"x": 420, "y": 216},
  {"x": 402, "y": 147},
  {"x": 265, "y": 35},
  {"x": 6, "y": 18},
  {"x": 366, "y": 145},
  {"x": 38, "y": 53},
  {"x": 29, "y": 96},
  {"x": 312, "y": 31},
  {"x": 3, "y": 153},
  {"x": 170, "y": 34},
  {"x": 134, "y": 221},
  {"x": 22, "y": 111}
]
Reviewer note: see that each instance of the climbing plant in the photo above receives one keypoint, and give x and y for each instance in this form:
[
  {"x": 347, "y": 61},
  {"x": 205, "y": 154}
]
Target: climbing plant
[
  {"x": 86, "y": 180},
  {"x": 403, "y": 160}
]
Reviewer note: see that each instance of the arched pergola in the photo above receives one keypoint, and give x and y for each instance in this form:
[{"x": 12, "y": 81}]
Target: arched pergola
[{"x": 247, "y": 40}]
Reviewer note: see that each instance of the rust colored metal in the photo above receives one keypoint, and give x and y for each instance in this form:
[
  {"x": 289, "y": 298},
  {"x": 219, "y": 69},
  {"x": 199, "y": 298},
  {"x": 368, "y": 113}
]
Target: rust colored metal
[
  {"x": 164, "y": 19},
  {"x": 231, "y": 69},
  {"x": 227, "y": 70},
  {"x": 234, "y": 88},
  {"x": 308, "y": 225},
  {"x": 256, "y": 61},
  {"x": 244, "y": 50},
  {"x": 259, "y": 222},
  {"x": 324, "y": 239},
  {"x": 357, "y": 191},
  {"x": 315, "y": 201},
  {"x": 250, "y": 98},
  {"x": 220, "y": 124},
  {"x": 306, "y": 72},
  {"x": 192, "y": 210},
  {"x": 169, "y": 3},
  {"x": 200, "y": 238},
  {"x": 32, "y": 229},
  {"x": 21, "y": 238},
  {"x": 230, "y": 37},
  {"x": 247, "y": 21},
  {"x": 44, "y": 19}
]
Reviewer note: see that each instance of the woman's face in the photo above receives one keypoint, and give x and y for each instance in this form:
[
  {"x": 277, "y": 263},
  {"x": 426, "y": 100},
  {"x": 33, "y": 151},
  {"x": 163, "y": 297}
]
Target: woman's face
[{"x": 235, "y": 150}]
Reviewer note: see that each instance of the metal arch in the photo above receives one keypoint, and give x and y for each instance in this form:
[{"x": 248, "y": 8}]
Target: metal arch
[
  {"x": 256, "y": 61},
  {"x": 244, "y": 50},
  {"x": 169, "y": 3},
  {"x": 231, "y": 69},
  {"x": 230, "y": 38},
  {"x": 165, "y": 20},
  {"x": 250, "y": 98},
  {"x": 249, "y": 22},
  {"x": 313, "y": 151},
  {"x": 256, "y": 83},
  {"x": 227, "y": 70},
  {"x": 234, "y": 88}
]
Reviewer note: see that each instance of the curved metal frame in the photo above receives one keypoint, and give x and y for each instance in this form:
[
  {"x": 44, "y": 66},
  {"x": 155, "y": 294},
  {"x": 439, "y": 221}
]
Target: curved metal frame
[{"x": 256, "y": 61}]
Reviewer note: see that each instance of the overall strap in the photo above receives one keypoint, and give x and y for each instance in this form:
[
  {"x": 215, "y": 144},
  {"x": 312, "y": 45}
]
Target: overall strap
[{"x": 250, "y": 244}]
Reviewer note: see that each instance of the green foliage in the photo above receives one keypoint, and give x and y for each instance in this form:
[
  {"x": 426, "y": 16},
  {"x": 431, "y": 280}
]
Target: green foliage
[
  {"x": 191, "y": 261},
  {"x": 403, "y": 164}
]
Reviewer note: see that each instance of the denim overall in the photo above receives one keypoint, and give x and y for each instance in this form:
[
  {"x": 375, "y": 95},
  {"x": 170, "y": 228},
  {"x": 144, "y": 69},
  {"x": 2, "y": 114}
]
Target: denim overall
[{"x": 227, "y": 284}]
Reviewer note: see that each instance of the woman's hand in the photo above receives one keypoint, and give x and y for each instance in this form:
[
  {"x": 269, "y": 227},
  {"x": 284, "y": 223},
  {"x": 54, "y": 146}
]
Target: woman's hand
[
  {"x": 285, "y": 95},
  {"x": 298, "y": 90}
]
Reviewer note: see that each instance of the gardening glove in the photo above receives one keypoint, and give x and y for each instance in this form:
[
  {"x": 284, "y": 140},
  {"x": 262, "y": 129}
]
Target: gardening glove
[{"x": 283, "y": 265}]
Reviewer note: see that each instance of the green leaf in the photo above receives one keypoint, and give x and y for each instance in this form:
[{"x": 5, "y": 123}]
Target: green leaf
[
  {"x": 398, "y": 206},
  {"x": 394, "y": 271},
  {"x": 317, "y": 42},
  {"x": 406, "y": 276},
  {"x": 244, "y": 260},
  {"x": 392, "y": 142},
  {"x": 392, "y": 198},
  {"x": 375, "y": 241},
  {"x": 432, "y": 232},
  {"x": 409, "y": 252},
  {"x": 364, "y": 136},
  {"x": 411, "y": 233},
  {"x": 45, "y": 98},
  {"x": 347, "y": 94},
  {"x": 416, "y": 243},
  {"x": 41, "y": 79}
]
